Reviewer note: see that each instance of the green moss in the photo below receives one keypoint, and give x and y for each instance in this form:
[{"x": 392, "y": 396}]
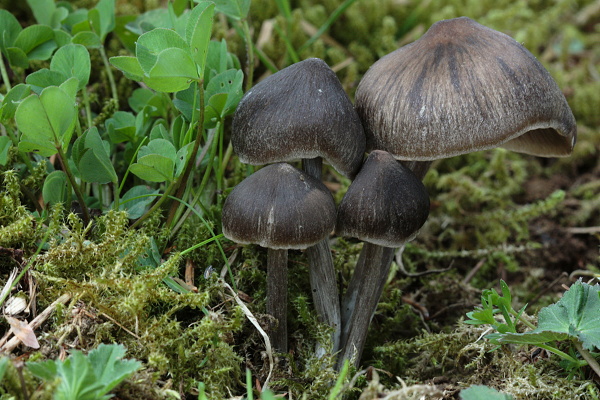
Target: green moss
[{"x": 468, "y": 359}]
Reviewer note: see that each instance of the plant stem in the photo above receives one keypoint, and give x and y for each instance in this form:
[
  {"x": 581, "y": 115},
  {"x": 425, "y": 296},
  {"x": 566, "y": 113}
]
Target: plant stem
[
  {"x": 588, "y": 357},
  {"x": 332, "y": 18},
  {"x": 182, "y": 180},
  {"x": 361, "y": 298},
  {"x": 62, "y": 157},
  {"x": 556, "y": 351},
  {"x": 156, "y": 205},
  {"x": 4, "y": 74},
  {"x": 111, "y": 77},
  {"x": 249, "y": 55},
  {"x": 321, "y": 271},
  {"x": 277, "y": 278},
  {"x": 86, "y": 104}
]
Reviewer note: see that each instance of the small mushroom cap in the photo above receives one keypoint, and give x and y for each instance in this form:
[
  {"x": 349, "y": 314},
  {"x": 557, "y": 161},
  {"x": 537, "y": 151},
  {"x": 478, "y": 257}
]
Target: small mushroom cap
[
  {"x": 463, "y": 87},
  {"x": 385, "y": 205},
  {"x": 279, "y": 207},
  {"x": 299, "y": 112}
]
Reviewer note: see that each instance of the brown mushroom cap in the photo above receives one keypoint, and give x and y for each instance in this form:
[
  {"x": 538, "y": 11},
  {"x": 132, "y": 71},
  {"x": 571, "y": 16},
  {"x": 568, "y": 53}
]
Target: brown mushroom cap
[
  {"x": 299, "y": 112},
  {"x": 279, "y": 207},
  {"x": 463, "y": 87},
  {"x": 385, "y": 205}
]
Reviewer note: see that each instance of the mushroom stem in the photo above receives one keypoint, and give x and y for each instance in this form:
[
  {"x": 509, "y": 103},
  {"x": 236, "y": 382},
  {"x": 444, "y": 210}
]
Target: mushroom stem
[
  {"x": 361, "y": 298},
  {"x": 323, "y": 281},
  {"x": 419, "y": 168},
  {"x": 324, "y": 291},
  {"x": 277, "y": 279}
]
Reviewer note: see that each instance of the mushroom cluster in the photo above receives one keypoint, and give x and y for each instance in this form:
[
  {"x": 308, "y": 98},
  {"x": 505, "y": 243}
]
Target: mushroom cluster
[
  {"x": 301, "y": 112},
  {"x": 460, "y": 88}
]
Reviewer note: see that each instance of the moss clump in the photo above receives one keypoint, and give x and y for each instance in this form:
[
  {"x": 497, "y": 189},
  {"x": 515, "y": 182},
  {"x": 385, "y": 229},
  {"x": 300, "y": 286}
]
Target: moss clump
[{"x": 468, "y": 359}]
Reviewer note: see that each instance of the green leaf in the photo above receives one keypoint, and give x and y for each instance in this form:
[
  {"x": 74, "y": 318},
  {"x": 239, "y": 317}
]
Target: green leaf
[
  {"x": 154, "y": 168},
  {"x": 88, "y": 39},
  {"x": 41, "y": 79},
  {"x": 216, "y": 60},
  {"x": 574, "y": 316},
  {"x": 109, "y": 367},
  {"x": 126, "y": 36},
  {"x": 61, "y": 37},
  {"x": 141, "y": 98},
  {"x": 151, "y": 44},
  {"x": 46, "y": 121},
  {"x": 78, "y": 380},
  {"x": 17, "y": 57},
  {"x": 121, "y": 127},
  {"x": 480, "y": 392},
  {"x": 198, "y": 32},
  {"x": 159, "y": 146},
  {"x": 45, "y": 12},
  {"x": 182, "y": 157},
  {"x": 5, "y": 144},
  {"x": 93, "y": 160},
  {"x": 12, "y": 99},
  {"x": 46, "y": 370},
  {"x": 230, "y": 84},
  {"x": 56, "y": 188},
  {"x": 236, "y": 9},
  {"x": 73, "y": 60},
  {"x": 74, "y": 18},
  {"x": 9, "y": 30},
  {"x": 159, "y": 18},
  {"x": 102, "y": 18},
  {"x": 4, "y": 362},
  {"x": 37, "y": 41},
  {"x": 136, "y": 207},
  {"x": 174, "y": 71},
  {"x": 130, "y": 67},
  {"x": 70, "y": 86}
]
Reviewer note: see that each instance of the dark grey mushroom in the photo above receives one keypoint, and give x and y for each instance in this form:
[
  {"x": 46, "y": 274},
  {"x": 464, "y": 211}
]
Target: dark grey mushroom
[
  {"x": 385, "y": 206},
  {"x": 303, "y": 112},
  {"x": 463, "y": 87},
  {"x": 300, "y": 112},
  {"x": 278, "y": 207}
]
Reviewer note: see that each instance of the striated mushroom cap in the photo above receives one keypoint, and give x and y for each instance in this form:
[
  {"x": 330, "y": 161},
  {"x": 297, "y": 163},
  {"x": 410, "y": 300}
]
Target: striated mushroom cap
[
  {"x": 279, "y": 207},
  {"x": 299, "y": 112},
  {"x": 463, "y": 87},
  {"x": 385, "y": 205}
]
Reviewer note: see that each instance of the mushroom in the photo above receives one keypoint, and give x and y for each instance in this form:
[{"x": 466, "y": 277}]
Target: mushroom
[
  {"x": 303, "y": 112},
  {"x": 385, "y": 206},
  {"x": 463, "y": 87},
  {"x": 278, "y": 207},
  {"x": 300, "y": 112}
]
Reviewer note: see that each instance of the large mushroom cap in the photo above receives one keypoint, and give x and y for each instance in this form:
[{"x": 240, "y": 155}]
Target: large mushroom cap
[
  {"x": 463, "y": 87},
  {"x": 279, "y": 207},
  {"x": 385, "y": 205},
  {"x": 299, "y": 112}
]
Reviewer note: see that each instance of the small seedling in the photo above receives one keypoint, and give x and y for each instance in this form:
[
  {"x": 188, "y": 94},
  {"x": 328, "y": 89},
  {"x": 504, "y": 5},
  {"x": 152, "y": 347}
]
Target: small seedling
[
  {"x": 573, "y": 321},
  {"x": 90, "y": 376}
]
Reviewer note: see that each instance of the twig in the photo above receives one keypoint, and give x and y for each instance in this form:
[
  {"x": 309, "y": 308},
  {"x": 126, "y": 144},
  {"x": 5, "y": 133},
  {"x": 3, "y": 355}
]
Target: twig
[
  {"x": 36, "y": 322},
  {"x": 108, "y": 317},
  {"x": 254, "y": 322},
  {"x": 472, "y": 272},
  {"x": 584, "y": 230},
  {"x": 401, "y": 268}
]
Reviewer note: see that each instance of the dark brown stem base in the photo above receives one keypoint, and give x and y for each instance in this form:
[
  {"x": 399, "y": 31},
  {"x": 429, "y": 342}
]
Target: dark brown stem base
[
  {"x": 361, "y": 298},
  {"x": 277, "y": 286}
]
